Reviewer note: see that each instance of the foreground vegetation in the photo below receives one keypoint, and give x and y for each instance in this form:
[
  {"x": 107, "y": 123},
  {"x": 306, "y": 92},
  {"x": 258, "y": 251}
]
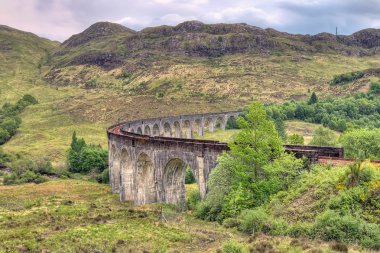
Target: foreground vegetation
[
  {"x": 80, "y": 216},
  {"x": 256, "y": 187}
]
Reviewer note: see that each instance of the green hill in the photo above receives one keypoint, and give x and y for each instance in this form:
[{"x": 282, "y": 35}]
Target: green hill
[{"x": 110, "y": 73}]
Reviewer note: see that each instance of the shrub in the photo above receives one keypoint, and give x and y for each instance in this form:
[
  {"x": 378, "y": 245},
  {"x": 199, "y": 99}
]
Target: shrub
[
  {"x": 324, "y": 137},
  {"x": 296, "y": 139},
  {"x": 4, "y": 136},
  {"x": 253, "y": 221},
  {"x": 193, "y": 199},
  {"x": 374, "y": 87},
  {"x": 103, "y": 177},
  {"x": 231, "y": 223},
  {"x": 348, "y": 77},
  {"x": 189, "y": 177},
  {"x": 362, "y": 143},
  {"x": 84, "y": 158},
  {"x": 232, "y": 247},
  {"x": 346, "y": 228}
]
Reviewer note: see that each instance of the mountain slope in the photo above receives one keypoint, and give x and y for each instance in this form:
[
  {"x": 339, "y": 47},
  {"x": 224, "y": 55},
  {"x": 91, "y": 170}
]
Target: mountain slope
[{"x": 193, "y": 59}]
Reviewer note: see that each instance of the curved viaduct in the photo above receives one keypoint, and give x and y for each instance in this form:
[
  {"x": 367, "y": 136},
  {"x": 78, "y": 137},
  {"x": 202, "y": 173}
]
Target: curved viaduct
[{"x": 148, "y": 157}]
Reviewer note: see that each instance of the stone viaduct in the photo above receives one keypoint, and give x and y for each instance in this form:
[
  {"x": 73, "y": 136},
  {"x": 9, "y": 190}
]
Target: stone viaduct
[{"x": 148, "y": 158}]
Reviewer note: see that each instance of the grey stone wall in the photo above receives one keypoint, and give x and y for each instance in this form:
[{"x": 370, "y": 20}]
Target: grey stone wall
[{"x": 147, "y": 165}]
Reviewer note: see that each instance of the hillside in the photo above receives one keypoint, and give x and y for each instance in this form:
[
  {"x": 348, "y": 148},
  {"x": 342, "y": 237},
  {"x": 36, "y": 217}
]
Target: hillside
[{"x": 110, "y": 73}]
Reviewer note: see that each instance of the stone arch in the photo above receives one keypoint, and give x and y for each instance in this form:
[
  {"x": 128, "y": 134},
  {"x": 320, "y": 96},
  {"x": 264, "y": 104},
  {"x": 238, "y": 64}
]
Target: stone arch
[
  {"x": 174, "y": 181},
  {"x": 231, "y": 122},
  {"x": 167, "y": 130},
  {"x": 219, "y": 123},
  {"x": 145, "y": 180},
  {"x": 177, "y": 130},
  {"x": 209, "y": 125},
  {"x": 147, "y": 130},
  {"x": 126, "y": 172},
  {"x": 156, "y": 130},
  {"x": 139, "y": 130},
  {"x": 187, "y": 129},
  {"x": 198, "y": 126}
]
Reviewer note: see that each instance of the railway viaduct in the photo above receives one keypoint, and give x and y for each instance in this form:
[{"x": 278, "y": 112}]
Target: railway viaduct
[{"x": 148, "y": 157}]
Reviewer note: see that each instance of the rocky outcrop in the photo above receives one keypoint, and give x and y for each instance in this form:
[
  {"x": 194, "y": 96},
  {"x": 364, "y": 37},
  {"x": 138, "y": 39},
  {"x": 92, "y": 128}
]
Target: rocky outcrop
[{"x": 196, "y": 39}]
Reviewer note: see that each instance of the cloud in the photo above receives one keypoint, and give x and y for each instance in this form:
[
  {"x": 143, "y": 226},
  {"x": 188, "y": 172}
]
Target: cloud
[{"x": 58, "y": 19}]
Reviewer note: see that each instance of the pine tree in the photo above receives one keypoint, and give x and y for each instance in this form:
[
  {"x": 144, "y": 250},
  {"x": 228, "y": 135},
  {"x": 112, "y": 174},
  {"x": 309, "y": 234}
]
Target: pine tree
[{"x": 313, "y": 99}]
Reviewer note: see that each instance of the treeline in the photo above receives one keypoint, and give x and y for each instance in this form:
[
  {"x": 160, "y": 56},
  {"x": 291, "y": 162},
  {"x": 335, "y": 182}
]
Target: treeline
[
  {"x": 9, "y": 119},
  {"x": 356, "y": 111}
]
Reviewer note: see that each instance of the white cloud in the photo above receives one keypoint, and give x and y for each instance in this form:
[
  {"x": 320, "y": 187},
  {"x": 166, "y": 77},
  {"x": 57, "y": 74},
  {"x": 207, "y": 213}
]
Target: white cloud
[{"x": 58, "y": 19}]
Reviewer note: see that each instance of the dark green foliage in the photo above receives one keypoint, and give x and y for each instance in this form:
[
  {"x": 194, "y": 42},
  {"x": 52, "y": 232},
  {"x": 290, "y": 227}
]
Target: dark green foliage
[
  {"x": 189, "y": 177},
  {"x": 231, "y": 123},
  {"x": 104, "y": 177},
  {"x": 9, "y": 119},
  {"x": 296, "y": 139},
  {"x": 374, "y": 87},
  {"x": 126, "y": 74},
  {"x": 84, "y": 158},
  {"x": 346, "y": 78},
  {"x": 29, "y": 171},
  {"x": 90, "y": 84},
  {"x": 280, "y": 128},
  {"x": 313, "y": 99},
  {"x": 356, "y": 111},
  {"x": 362, "y": 143},
  {"x": 193, "y": 199}
]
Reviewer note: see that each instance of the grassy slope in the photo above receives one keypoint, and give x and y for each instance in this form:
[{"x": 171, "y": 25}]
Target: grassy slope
[
  {"x": 292, "y": 126},
  {"x": 287, "y": 75},
  {"x": 47, "y": 127},
  {"x": 79, "y": 216}
]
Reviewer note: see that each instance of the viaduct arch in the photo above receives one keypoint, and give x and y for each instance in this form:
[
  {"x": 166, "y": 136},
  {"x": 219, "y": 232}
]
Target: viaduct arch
[{"x": 148, "y": 157}]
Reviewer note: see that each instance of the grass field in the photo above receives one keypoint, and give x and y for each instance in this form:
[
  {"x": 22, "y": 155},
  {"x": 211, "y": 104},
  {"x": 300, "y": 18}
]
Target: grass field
[
  {"x": 81, "y": 216},
  {"x": 292, "y": 126}
]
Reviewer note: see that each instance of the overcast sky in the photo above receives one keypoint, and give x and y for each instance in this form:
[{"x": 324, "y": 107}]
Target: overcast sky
[{"x": 59, "y": 19}]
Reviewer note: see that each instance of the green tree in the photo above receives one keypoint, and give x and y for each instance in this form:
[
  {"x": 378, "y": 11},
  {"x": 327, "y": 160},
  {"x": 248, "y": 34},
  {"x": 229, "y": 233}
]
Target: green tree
[
  {"x": 256, "y": 144},
  {"x": 324, "y": 137},
  {"x": 362, "y": 143},
  {"x": 313, "y": 99},
  {"x": 296, "y": 139}
]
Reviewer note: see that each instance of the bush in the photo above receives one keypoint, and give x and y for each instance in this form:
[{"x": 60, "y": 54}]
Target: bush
[
  {"x": 103, "y": 177},
  {"x": 231, "y": 223},
  {"x": 374, "y": 87},
  {"x": 348, "y": 77},
  {"x": 189, "y": 177},
  {"x": 362, "y": 143},
  {"x": 324, "y": 137},
  {"x": 232, "y": 247},
  {"x": 193, "y": 199},
  {"x": 253, "y": 221},
  {"x": 296, "y": 139},
  {"x": 330, "y": 225},
  {"x": 84, "y": 158},
  {"x": 4, "y": 136}
]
